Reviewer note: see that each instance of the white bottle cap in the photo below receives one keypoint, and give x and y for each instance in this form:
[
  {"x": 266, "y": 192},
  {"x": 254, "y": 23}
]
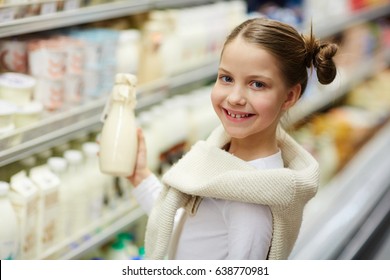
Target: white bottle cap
[
  {"x": 57, "y": 164},
  {"x": 73, "y": 156},
  {"x": 91, "y": 149},
  {"x": 4, "y": 188}
]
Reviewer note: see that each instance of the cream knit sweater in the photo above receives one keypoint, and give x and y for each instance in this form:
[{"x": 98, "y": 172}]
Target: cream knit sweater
[{"x": 208, "y": 171}]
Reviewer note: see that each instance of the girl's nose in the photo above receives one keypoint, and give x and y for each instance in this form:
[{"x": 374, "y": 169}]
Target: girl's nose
[{"x": 236, "y": 97}]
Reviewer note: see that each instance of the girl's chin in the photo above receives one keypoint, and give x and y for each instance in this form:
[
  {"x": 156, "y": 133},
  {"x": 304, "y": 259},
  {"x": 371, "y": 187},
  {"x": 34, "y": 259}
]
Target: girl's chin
[{"x": 235, "y": 132}]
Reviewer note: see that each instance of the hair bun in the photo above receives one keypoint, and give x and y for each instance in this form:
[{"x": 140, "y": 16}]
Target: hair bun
[
  {"x": 320, "y": 55},
  {"x": 323, "y": 62}
]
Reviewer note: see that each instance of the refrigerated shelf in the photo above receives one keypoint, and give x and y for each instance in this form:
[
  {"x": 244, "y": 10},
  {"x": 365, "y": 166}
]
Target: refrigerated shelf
[
  {"x": 88, "y": 14},
  {"x": 333, "y": 216},
  {"x": 60, "y": 127}
]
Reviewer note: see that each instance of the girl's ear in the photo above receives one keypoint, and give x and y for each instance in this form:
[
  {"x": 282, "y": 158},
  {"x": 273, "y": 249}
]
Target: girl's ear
[{"x": 292, "y": 97}]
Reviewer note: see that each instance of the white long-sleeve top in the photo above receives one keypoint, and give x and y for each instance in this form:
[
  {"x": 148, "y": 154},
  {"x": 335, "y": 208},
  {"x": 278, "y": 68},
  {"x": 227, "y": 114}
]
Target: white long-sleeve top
[{"x": 221, "y": 229}]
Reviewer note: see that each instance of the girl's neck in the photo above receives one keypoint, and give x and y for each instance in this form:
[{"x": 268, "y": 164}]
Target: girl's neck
[{"x": 247, "y": 149}]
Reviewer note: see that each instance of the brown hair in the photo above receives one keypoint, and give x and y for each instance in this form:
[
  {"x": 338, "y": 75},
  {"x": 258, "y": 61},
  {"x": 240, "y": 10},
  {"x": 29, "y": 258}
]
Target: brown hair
[{"x": 295, "y": 52}]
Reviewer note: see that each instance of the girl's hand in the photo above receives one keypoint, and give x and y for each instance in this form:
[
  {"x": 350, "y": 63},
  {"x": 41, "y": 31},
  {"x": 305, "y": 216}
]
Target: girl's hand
[{"x": 141, "y": 170}]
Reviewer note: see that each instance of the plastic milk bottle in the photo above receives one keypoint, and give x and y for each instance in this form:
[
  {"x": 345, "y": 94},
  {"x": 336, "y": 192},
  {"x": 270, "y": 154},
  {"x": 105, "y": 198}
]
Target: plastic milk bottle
[{"x": 118, "y": 142}]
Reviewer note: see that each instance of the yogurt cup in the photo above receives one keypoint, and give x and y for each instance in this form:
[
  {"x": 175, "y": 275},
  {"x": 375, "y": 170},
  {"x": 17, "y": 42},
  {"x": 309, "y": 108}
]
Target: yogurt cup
[{"x": 16, "y": 87}]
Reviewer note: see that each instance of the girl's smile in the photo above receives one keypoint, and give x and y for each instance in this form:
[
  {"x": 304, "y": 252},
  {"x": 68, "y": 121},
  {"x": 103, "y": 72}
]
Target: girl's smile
[{"x": 237, "y": 116}]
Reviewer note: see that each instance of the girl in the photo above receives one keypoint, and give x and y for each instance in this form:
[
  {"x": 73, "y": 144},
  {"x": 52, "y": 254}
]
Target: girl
[{"x": 244, "y": 188}]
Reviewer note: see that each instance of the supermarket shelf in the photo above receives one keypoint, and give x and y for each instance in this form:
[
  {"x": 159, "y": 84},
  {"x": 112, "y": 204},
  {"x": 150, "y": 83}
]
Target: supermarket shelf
[
  {"x": 123, "y": 8},
  {"x": 178, "y": 3},
  {"x": 339, "y": 23},
  {"x": 87, "y": 14},
  {"x": 334, "y": 215},
  {"x": 63, "y": 126},
  {"x": 72, "y": 17},
  {"x": 120, "y": 224},
  {"x": 108, "y": 226}
]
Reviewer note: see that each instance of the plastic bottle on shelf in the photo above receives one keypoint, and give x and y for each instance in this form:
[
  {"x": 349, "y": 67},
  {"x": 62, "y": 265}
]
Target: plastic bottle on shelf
[
  {"x": 151, "y": 66},
  {"x": 117, "y": 251},
  {"x": 9, "y": 228},
  {"x": 95, "y": 181},
  {"x": 130, "y": 247},
  {"x": 128, "y": 51},
  {"x": 76, "y": 187},
  {"x": 58, "y": 165},
  {"x": 118, "y": 142}
]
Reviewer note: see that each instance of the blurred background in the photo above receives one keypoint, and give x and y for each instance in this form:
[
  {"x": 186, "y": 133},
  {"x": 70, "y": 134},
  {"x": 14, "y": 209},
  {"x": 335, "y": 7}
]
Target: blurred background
[{"x": 58, "y": 60}]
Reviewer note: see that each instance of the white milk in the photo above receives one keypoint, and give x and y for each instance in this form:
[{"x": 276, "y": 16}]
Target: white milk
[
  {"x": 48, "y": 206},
  {"x": 58, "y": 165},
  {"x": 128, "y": 51},
  {"x": 95, "y": 181},
  {"x": 118, "y": 142},
  {"x": 24, "y": 198},
  {"x": 76, "y": 187},
  {"x": 9, "y": 228}
]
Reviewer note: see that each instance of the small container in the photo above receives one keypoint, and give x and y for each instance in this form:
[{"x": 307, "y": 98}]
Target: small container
[
  {"x": 47, "y": 58},
  {"x": 28, "y": 114},
  {"x": 17, "y": 88},
  {"x": 50, "y": 93},
  {"x": 14, "y": 56},
  {"x": 7, "y": 114}
]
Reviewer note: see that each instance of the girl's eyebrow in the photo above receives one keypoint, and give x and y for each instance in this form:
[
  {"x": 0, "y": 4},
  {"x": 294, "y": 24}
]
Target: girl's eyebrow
[
  {"x": 223, "y": 70},
  {"x": 255, "y": 77}
]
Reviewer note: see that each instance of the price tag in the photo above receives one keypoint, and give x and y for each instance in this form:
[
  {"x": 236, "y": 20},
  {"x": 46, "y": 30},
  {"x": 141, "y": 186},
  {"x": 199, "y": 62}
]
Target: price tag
[
  {"x": 7, "y": 14},
  {"x": 48, "y": 8},
  {"x": 71, "y": 4}
]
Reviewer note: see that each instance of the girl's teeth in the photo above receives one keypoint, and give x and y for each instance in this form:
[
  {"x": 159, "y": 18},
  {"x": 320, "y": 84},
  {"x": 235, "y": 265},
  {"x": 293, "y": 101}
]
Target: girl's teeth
[{"x": 237, "y": 116}]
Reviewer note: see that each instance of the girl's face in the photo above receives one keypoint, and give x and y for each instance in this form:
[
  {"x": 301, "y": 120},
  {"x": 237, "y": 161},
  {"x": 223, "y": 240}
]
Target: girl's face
[{"x": 250, "y": 95}]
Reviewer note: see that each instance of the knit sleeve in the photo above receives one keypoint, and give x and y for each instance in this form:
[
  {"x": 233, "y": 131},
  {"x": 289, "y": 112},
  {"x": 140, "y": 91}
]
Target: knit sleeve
[{"x": 146, "y": 192}]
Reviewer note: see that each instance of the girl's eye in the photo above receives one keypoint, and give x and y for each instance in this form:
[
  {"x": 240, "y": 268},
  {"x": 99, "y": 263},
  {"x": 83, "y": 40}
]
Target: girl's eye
[
  {"x": 226, "y": 79},
  {"x": 256, "y": 84}
]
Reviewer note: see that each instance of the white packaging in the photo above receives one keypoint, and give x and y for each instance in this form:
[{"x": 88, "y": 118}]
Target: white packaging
[
  {"x": 9, "y": 228},
  {"x": 50, "y": 93},
  {"x": 77, "y": 192},
  {"x": 48, "y": 206},
  {"x": 24, "y": 198},
  {"x": 17, "y": 88},
  {"x": 95, "y": 181},
  {"x": 47, "y": 59},
  {"x": 59, "y": 165},
  {"x": 14, "y": 55}
]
